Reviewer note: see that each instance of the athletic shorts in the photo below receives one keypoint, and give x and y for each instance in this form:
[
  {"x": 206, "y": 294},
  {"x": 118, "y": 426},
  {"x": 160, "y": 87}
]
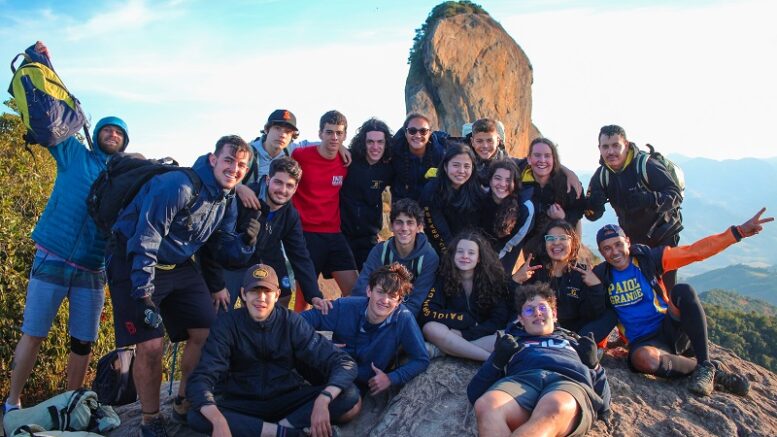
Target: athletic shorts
[
  {"x": 329, "y": 252},
  {"x": 528, "y": 387},
  {"x": 51, "y": 280},
  {"x": 669, "y": 337},
  {"x": 181, "y": 295}
]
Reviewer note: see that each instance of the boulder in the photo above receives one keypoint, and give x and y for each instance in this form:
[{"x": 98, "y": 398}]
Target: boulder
[
  {"x": 468, "y": 67},
  {"x": 435, "y": 405}
]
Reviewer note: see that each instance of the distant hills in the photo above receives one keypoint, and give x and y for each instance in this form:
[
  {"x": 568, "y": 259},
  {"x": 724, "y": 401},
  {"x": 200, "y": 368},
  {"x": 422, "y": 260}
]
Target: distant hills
[
  {"x": 720, "y": 194},
  {"x": 754, "y": 282},
  {"x": 737, "y": 302}
]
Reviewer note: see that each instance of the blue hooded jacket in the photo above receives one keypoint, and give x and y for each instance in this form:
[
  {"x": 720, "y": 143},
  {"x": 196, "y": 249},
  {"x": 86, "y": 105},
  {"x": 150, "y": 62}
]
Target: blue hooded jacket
[
  {"x": 65, "y": 227},
  {"x": 159, "y": 229}
]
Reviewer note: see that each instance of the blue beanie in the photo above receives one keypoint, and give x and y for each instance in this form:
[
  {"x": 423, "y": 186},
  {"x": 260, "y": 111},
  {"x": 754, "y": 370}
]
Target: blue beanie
[{"x": 114, "y": 121}]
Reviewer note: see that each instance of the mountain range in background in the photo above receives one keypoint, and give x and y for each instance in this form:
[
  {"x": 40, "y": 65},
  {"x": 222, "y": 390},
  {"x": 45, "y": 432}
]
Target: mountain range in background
[
  {"x": 737, "y": 302},
  {"x": 719, "y": 194}
]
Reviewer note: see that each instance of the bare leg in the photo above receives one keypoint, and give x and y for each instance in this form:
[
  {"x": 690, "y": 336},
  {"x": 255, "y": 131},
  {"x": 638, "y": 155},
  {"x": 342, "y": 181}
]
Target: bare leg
[
  {"x": 23, "y": 361},
  {"x": 147, "y": 372},
  {"x": 345, "y": 279},
  {"x": 76, "y": 370},
  {"x": 554, "y": 415},
  {"x": 498, "y": 414},
  {"x": 452, "y": 343},
  {"x": 647, "y": 359},
  {"x": 191, "y": 355}
]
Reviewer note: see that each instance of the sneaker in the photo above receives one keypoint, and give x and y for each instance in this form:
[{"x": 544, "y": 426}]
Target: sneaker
[
  {"x": 181, "y": 407},
  {"x": 730, "y": 382},
  {"x": 433, "y": 351},
  {"x": 702, "y": 379},
  {"x": 154, "y": 429},
  {"x": 7, "y": 408}
]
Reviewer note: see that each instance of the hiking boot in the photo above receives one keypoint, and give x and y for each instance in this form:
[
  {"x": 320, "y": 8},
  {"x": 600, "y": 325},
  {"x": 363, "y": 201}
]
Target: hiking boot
[
  {"x": 433, "y": 351},
  {"x": 156, "y": 428},
  {"x": 730, "y": 382},
  {"x": 702, "y": 379},
  {"x": 181, "y": 407}
]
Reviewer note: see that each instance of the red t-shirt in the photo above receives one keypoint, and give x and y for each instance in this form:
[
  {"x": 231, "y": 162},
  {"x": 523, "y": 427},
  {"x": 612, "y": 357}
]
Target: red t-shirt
[{"x": 318, "y": 196}]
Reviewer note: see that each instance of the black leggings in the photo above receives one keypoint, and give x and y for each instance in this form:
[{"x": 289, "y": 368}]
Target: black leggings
[{"x": 693, "y": 320}]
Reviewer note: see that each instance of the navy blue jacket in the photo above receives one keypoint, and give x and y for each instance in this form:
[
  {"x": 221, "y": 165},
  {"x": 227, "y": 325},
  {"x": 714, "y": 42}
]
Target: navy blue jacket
[
  {"x": 554, "y": 353},
  {"x": 409, "y": 170},
  {"x": 464, "y": 314},
  {"x": 245, "y": 359},
  {"x": 379, "y": 344},
  {"x": 159, "y": 229},
  {"x": 361, "y": 200}
]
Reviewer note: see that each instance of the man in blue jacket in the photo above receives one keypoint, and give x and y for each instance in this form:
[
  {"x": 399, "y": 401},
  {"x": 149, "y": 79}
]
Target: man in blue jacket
[
  {"x": 409, "y": 247},
  {"x": 265, "y": 372},
  {"x": 152, "y": 277},
  {"x": 373, "y": 329},
  {"x": 70, "y": 257}
]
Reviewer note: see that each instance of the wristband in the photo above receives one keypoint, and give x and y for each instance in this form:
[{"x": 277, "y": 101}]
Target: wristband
[
  {"x": 327, "y": 394},
  {"x": 737, "y": 233}
]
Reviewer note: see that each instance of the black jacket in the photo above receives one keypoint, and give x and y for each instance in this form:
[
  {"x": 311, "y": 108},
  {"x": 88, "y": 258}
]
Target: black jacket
[
  {"x": 655, "y": 225},
  {"x": 248, "y": 360},
  {"x": 283, "y": 227},
  {"x": 409, "y": 170},
  {"x": 443, "y": 221},
  {"x": 361, "y": 202}
]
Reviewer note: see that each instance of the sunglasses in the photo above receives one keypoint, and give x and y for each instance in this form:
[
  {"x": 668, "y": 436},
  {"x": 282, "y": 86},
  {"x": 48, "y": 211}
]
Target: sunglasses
[
  {"x": 552, "y": 238},
  {"x": 413, "y": 130},
  {"x": 530, "y": 311}
]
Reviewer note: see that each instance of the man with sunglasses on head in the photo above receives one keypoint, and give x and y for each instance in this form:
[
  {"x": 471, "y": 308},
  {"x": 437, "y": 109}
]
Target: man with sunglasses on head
[{"x": 372, "y": 330}]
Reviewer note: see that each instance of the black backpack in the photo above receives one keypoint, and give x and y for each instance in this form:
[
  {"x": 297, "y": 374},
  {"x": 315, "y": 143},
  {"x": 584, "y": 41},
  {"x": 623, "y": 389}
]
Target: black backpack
[
  {"x": 640, "y": 161},
  {"x": 116, "y": 186},
  {"x": 113, "y": 383}
]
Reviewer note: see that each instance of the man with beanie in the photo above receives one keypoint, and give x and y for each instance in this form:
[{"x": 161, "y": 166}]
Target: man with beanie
[
  {"x": 666, "y": 328},
  {"x": 265, "y": 372},
  {"x": 70, "y": 257}
]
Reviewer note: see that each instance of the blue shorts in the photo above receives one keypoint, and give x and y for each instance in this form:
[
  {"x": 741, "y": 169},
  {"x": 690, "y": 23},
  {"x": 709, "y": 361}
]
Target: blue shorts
[{"x": 51, "y": 280}]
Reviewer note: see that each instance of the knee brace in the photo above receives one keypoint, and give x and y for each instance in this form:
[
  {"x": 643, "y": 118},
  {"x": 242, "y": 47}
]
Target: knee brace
[{"x": 79, "y": 347}]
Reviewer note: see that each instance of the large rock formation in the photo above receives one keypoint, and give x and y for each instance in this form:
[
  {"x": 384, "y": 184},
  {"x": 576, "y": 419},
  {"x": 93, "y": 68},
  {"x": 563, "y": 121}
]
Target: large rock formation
[
  {"x": 464, "y": 67},
  {"x": 435, "y": 405}
]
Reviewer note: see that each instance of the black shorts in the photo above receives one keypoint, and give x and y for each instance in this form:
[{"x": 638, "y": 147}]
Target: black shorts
[
  {"x": 669, "y": 337},
  {"x": 329, "y": 252},
  {"x": 180, "y": 294}
]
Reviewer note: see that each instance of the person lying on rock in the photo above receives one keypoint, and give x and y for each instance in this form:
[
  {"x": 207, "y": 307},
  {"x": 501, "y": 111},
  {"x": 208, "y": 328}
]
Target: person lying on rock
[
  {"x": 666, "y": 329},
  {"x": 540, "y": 379},
  {"x": 254, "y": 359},
  {"x": 373, "y": 329}
]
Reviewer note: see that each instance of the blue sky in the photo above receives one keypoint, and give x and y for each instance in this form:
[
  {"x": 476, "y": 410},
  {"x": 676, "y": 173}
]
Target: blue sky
[{"x": 696, "y": 79}]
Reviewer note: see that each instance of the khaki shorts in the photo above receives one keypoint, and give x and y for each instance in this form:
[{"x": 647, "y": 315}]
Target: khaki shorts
[{"x": 528, "y": 387}]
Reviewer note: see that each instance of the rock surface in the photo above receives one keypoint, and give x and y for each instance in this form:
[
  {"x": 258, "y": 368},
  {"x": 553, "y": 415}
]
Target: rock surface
[
  {"x": 471, "y": 68},
  {"x": 434, "y": 404}
]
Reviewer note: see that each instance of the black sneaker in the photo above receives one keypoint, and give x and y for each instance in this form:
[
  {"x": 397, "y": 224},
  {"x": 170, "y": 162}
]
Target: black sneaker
[
  {"x": 180, "y": 410},
  {"x": 730, "y": 382},
  {"x": 156, "y": 428},
  {"x": 702, "y": 379}
]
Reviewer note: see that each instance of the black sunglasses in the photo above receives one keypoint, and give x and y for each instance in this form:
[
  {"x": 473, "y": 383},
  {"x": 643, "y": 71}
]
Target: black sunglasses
[{"x": 422, "y": 131}]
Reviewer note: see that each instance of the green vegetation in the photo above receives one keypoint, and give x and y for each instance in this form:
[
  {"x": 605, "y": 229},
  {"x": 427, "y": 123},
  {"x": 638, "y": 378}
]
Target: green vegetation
[
  {"x": 737, "y": 302},
  {"x": 25, "y": 184},
  {"x": 439, "y": 12}
]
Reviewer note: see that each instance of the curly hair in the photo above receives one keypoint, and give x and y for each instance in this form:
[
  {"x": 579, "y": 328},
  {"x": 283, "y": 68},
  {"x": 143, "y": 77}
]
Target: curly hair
[
  {"x": 395, "y": 279},
  {"x": 490, "y": 280},
  {"x": 574, "y": 244},
  {"x": 525, "y": 293},
  {"x": 358, "y": 144},
  {"x": 507, "y": 212}
]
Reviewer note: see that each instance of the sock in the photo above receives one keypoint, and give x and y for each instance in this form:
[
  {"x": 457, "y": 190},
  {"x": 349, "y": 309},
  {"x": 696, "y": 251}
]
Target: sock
[
  {"x": 149, "y": 417},
  {"x": 667, "y": 366},
  {"x": 282, "y": 431}
]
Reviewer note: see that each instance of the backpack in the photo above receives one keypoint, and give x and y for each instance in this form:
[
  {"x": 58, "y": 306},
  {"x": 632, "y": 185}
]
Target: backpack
[
  {"x": 49, "y": 111},
  {"x": 74, "y": 410},
  {"x": 113, "y": 382},
  {"x": 38, "y": 431},
  {"x": 117, "y": 185},
  {"x": 640, "y": 161},
  {"x": 387, "y": 257}
]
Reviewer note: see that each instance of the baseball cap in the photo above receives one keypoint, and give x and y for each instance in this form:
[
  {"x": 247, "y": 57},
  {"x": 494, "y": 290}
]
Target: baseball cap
[
  {"x": 283, "y": 116},
  {"x": 261, "y": 275},
  {"x": 609, "y": 231}
]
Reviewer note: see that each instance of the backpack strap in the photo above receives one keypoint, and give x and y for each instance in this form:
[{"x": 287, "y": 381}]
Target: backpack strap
[
  {"x": 416, "y": 265},
  {"x": 604, "y": 177},
  {"x": 641, "y": 162},
  {"x": 386, "y": 255}
]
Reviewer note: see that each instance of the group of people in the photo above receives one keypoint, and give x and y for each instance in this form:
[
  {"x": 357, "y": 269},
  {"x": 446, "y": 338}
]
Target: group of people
[{"x": 182, "y": 253}]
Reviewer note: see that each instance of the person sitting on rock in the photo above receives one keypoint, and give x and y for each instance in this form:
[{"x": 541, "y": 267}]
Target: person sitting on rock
[
  {"x": 254, "y": 359},
  {"x": 666, "y": 329},
  {"x": 540, "y": 379},
  {"x": 416, "y": 150},
  {"x": 375, "y": 328},
  {"x": 409, "y": 247},
  {"x": 468, "y": 302}
]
